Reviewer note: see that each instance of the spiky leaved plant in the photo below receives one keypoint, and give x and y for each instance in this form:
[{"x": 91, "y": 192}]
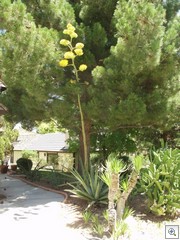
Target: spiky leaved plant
[
  {"x": 89, "y": 186},
  {"x": 118, "y": 194}
]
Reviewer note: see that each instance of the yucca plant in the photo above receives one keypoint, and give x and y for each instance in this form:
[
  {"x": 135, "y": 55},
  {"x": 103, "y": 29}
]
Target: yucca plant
[
  {"x": 89, "y": 186},
  {"x": 119, "y": 189},
  {"x": 114, "y": 164}
]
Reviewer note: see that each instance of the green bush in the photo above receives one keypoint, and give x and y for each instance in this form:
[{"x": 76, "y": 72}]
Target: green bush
[
  {"x": 24, "y": 164},
  {"x": 160, "y": 181},
  {"x": 89, "y": 186}
]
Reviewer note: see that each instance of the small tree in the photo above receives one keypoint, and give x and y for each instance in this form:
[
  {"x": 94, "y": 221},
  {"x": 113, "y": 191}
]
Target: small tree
[
  {"x": 119, "y": 191},
  {"x": 7, "y": 137}
]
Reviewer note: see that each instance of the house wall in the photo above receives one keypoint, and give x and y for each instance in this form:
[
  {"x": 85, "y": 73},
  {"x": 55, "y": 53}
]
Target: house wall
[
  {"x": 42, "y": 156},
  {"x": 16, "y": 156},
  {"x": 65, "y": 160}
]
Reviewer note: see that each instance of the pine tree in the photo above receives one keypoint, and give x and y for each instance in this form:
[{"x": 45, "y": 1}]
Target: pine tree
[
  {"x": 131, "y": 50},
  {"x": 141, "y": 74}
]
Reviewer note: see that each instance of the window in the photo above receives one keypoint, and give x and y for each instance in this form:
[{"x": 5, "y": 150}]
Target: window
[{"x": 52, "y": 158}]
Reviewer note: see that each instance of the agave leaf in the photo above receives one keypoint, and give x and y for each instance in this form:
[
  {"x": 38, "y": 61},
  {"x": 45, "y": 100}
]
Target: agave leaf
[
  {"x": 93, "y": 176},
  {"x": 81, "y": 180},
  {"x": 104, "y": 191},
  {"x": 80, "y": 194},
  {"x": 97, "y": 192}
]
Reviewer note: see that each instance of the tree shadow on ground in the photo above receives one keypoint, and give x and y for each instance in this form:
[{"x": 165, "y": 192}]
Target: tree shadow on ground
[{"x": 2, "y": 198}]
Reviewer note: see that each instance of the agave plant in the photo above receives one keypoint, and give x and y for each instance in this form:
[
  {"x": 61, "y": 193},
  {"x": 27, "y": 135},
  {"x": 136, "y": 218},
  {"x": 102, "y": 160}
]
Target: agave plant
[{"x": 89, "y": 186}]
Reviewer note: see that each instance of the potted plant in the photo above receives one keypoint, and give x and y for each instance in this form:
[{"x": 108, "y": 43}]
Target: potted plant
[
  {"x": 4, "y": 167},
  {"x": 14, "y": 167}
]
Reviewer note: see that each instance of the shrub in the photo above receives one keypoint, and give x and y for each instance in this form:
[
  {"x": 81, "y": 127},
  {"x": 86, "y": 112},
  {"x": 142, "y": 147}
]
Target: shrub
[
  {"x": 89, "y": 186},
  {"x": 24, "y": 164},
  {"x": 160, "y": 181},
  {"x": 29, "y": 154}
]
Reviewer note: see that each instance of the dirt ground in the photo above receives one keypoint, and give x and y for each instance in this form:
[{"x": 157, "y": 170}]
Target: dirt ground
[{"x": 142, "y": 225}]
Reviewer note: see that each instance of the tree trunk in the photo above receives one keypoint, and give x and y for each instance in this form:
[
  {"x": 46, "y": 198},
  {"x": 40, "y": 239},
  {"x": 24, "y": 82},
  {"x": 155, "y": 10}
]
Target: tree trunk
[
  {"x": 112, "y": 196},
  {"x": 124, "y": 196},
  {"x": 120, "y": 206}
]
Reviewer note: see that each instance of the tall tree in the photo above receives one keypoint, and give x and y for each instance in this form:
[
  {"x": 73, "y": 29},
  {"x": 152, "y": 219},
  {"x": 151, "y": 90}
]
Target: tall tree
[
  {"x": 142, "y": 71},
  {"x": 131, "y": 50},
  {"x": 7, "y": 136}
]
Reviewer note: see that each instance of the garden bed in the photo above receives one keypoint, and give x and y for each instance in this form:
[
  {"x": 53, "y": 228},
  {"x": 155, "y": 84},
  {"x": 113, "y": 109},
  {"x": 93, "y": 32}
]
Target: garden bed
[{"x": 142, "y": 225}]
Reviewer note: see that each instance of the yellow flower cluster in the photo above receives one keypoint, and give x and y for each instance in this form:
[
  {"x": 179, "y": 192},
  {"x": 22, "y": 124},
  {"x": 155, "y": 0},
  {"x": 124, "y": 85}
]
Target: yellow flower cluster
[
  {"x": 63, "y": 63},
  {"x": 72, "y": 81},
  {"x": 77, "y": 50},
  {"x": 69, "y": 55},
  {"x": 82, "y": 67},
  {"x": 70, "y": 31},
  {"x": 79, "y": 45},
  {"x": 64, "y": 42}
]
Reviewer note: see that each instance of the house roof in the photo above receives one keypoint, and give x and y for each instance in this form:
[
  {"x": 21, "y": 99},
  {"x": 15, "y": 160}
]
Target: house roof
[{"x": 49, "y": 142}]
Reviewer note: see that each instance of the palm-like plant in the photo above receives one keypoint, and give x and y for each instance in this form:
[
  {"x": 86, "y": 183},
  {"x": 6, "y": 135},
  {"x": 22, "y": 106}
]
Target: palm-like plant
[{"x": 113, "y": 166}]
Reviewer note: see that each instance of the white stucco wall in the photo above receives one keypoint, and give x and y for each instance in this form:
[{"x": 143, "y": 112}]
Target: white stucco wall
[
  {"x": 65, "y": 160},
  {"x": 42, "y": 155},
  {"x": 16, "y": 155}
]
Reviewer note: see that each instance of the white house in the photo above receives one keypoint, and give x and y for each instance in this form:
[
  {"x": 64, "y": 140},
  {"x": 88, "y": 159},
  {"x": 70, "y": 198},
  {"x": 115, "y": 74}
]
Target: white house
[{"x": 52, "y": 148}]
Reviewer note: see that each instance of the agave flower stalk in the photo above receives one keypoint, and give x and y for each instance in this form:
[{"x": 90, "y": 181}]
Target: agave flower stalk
[{"x": 69, "y": 60}]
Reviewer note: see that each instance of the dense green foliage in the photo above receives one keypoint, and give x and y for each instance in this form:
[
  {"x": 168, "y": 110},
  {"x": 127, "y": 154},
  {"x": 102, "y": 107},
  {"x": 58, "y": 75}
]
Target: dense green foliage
[
  {"x": 29, "y": 154},
  {"x": 139, "y": 67},
  {"x": 160, "y": 181},
  {"x": 24, "y": 164},
  {"x": 129, "y": 93},
  {"x": 132, "y": 53},
  {"x": 49, "y": 127},
  {"x": 7, "y": 137},
  {"x": 55, "y": 178}
]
